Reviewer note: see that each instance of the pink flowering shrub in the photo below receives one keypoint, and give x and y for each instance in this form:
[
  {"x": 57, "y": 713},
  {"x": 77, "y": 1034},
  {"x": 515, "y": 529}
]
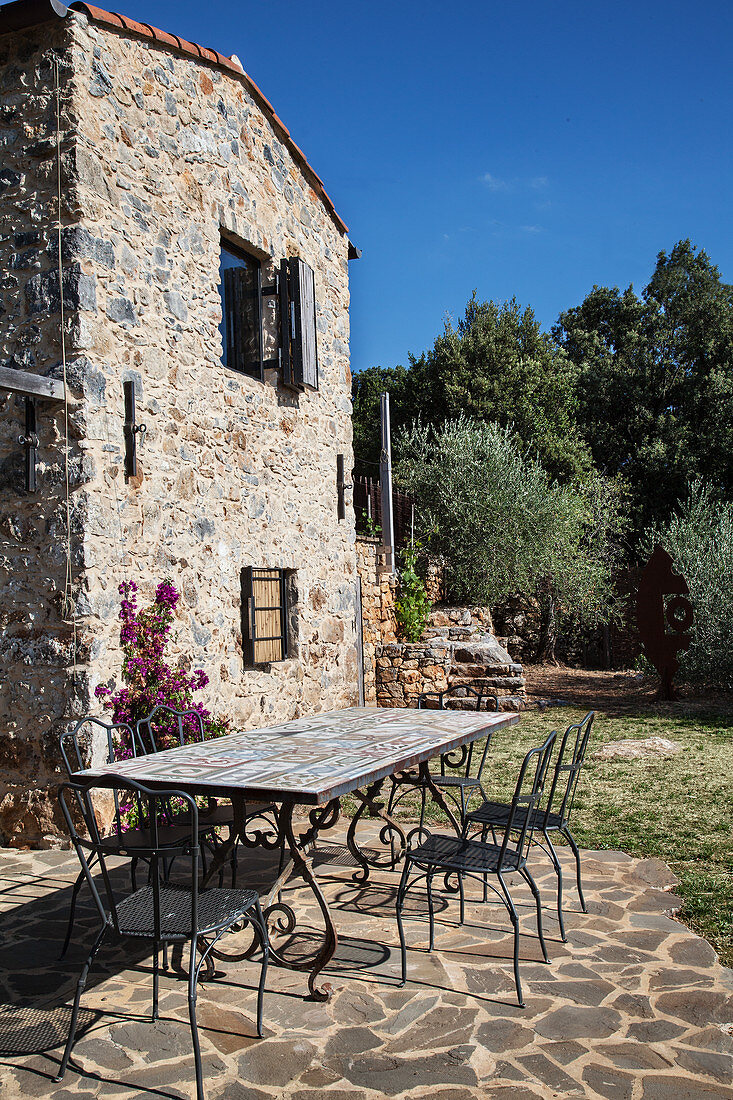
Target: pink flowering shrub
[{"x": 148, "y": 679}]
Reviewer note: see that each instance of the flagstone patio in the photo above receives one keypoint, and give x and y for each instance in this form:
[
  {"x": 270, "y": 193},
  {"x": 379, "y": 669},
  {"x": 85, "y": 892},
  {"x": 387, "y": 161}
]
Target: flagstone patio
[{"x": 633, "y": 1007}]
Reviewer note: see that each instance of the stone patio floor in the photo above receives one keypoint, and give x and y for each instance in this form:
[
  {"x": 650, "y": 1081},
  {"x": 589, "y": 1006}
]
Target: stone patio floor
[{"x": 633, "y": 1007}]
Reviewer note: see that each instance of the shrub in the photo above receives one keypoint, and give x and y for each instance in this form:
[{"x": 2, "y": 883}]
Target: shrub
[
  {"x": 502, "y": 526},
  {"x": 699, "y": 538},
  {"x": 148, "y": 678},
  {"x": 412, "y": 605}
]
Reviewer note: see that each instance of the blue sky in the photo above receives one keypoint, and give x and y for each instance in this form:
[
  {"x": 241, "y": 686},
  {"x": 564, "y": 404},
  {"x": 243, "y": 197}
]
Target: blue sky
[{"x": 526, "y": 149}]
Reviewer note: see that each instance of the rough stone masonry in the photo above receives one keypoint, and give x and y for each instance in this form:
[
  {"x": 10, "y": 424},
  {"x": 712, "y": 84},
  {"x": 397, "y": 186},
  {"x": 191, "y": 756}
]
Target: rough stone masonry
[{"x": 163, "y": 154}]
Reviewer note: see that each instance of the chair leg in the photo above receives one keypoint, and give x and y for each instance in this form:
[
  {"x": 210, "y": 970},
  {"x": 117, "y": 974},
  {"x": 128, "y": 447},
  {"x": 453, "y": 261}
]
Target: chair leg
[
  {"x": 401, "y": 891},
  {"x": 263, "y": 968},
  {"x": 431, "y": 912},
  {"x": 422, "y": 809},
  {"x": 558, "y": 872},
  {"x": 515, "y": 922},
  {"x": 75, "y": 1011},
  {"x": 72, "y": 913},
  {"x": 538, "y": 903},
  {"x": 571, "y": 841},
  {"x": 193, "y": 973},
  {"x": 133, "y": 874},
  {"x": 462, "y": 895},
  {"x": 156, "y": 950}
]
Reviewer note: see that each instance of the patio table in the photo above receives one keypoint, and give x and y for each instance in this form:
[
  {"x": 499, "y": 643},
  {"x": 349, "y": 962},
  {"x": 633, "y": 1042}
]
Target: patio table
[{"x": 309, "y": 762}]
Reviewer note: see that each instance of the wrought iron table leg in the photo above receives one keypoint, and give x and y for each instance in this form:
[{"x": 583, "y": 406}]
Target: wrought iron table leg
[
  {"x": 369, "y": 804},
  {"x": 437, "y": 795},
  {"x": 303, "y": 865}
]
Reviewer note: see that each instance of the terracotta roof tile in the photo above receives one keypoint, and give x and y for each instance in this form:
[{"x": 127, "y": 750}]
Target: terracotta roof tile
[{"x": 36, "y": 13}]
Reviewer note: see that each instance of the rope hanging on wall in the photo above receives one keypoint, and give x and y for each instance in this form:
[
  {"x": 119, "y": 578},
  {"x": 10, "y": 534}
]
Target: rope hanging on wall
[{"x": 68, "y": 606}]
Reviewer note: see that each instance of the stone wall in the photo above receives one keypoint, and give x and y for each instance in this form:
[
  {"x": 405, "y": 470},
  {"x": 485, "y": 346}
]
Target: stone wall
[
  {"x": 406, "y": 669},
  {"x": 379, "y": 625},
  {"x": 162, "y": 154}
]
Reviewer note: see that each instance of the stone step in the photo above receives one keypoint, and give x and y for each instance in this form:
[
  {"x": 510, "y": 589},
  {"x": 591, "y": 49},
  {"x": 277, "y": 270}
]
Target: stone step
[
  {"x": 459, "y": 669},
  {"x": 490, "y": 683},
  {"x": 455, "y": 633}
]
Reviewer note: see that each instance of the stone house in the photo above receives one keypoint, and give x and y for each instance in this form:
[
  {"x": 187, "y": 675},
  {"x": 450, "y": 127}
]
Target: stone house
[{"x": 168, "y": 259}]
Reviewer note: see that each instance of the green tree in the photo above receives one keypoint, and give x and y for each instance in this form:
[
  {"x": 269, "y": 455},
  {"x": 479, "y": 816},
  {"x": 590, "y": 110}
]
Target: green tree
[
  {"x": 501, "y": 526},
  {"x": 699, "y": 538},
  {"x": 366, "y": 387},
  {"x": 655, "y": 380},
  {"x": 494, "y": 365}
]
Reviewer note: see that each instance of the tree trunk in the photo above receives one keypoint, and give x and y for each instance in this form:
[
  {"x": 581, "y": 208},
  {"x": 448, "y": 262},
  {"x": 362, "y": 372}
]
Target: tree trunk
[{"x": 548, "y": 629}]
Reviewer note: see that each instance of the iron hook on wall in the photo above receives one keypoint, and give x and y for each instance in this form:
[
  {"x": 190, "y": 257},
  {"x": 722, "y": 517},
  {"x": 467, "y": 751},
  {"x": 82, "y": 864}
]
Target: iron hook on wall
[
  {"x": 131, "y": 429},
  {"x": 30, "y": 441}
]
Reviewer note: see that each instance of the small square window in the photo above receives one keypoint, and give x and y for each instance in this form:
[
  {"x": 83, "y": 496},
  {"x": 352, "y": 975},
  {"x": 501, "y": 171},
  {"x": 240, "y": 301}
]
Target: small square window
[
  {"x": 264, "y": 616},
  {"x": 240, "y": 288}
]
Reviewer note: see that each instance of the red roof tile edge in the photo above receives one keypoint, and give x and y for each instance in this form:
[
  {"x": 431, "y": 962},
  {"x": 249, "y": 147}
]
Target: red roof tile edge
[{"x": 212, "y": 57}]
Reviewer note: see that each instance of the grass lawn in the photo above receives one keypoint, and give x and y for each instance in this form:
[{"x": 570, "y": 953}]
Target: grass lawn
[{"x": 679, "y": 808}]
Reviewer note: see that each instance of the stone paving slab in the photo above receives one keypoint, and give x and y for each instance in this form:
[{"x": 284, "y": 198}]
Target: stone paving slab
[{"x": 633, "y": 1007}]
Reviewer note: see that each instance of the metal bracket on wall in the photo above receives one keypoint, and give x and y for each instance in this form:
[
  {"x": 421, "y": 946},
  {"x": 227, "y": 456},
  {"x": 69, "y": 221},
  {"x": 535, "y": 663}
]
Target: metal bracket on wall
[
  {"x": 341, "y": 486},
  {"x": 32, "y": 387},
  {"x": 132, "y": 430},
  {"x": 30, "y": 442}
]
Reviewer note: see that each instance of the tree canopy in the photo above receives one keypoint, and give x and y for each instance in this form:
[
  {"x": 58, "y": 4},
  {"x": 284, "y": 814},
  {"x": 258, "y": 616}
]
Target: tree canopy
[
  {"x": 654, "y": 380},
  {"x": 494, "y": 365}
]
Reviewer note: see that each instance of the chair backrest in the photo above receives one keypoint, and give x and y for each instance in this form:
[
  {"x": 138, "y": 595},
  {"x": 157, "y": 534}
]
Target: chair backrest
[
  {"x": 142, "y": 843},
  {"x": 570, "y": 760},
  {"x": 166, "y": 727},
  {"x": 527, "y": 794},
  {"x": 461, "y": 759},
  {"x": 75, "y": 744}
]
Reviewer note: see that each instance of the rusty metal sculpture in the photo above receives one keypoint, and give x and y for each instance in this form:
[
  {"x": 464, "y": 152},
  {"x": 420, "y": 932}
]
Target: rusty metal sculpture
[{"x": 664, "y": 617}]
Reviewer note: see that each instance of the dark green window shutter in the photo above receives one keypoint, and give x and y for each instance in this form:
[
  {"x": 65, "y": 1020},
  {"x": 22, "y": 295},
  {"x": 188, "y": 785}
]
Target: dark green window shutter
[{"x": 303, "y": 324}]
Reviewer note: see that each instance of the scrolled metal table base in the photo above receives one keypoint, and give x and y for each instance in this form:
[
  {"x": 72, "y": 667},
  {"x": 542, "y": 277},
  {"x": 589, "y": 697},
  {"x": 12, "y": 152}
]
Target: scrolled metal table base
[
  {"x": 369, "y": 805},
  {"x": 280, "y": 917}
]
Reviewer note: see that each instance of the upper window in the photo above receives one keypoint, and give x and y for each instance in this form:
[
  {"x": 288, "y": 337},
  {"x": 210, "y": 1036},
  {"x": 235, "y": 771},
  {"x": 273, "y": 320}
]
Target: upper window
[
  {"x": 290, "y": 323},
  {"x": 241, "y": 308}
]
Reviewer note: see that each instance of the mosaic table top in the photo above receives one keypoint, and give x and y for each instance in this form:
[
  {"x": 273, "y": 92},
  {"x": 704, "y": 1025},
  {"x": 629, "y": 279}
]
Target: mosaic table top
[{"x": 310, "y": 760}]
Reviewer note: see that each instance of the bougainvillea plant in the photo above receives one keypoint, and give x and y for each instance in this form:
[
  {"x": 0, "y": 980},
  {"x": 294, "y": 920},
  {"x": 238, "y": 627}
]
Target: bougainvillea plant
[{"x": 149, "y": 679}]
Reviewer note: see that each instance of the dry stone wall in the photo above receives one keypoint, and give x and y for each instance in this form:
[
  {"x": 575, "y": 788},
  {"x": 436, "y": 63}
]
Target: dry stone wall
[
  {"x": 162, "y": 155},
  {"x": 379, "y": 625}
]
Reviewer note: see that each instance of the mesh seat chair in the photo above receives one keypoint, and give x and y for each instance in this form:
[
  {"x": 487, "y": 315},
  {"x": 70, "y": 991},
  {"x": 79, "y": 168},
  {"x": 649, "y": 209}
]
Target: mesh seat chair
[
  {"x": 555, "y": 816},
  {"x": 161, "y": 911},
  {"x": 460, "y": 856},
  {"x": 460, "y": 774},
  {"x": 120, "y": 744},
  {"x": 166, "y": 728}
]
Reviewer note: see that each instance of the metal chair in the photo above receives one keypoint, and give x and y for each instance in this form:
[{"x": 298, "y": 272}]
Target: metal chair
[
  {"x": 161, "y": 911},
  {"x": 455, "y": 776},
  {"x": 459, "y": 856},
  {"x": 554, "y": 817},
  {"x": 120, "y": 739},
  {"x": 121, "y": 743},
  {"x": 166, "y": 728}
]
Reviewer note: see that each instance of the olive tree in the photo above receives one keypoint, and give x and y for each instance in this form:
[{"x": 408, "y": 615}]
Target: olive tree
[{"x": 501, "y": 526}]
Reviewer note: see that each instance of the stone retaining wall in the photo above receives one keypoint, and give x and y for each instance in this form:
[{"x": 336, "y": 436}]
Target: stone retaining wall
[
  {"x": 405, "y": 669},
  {"x": 379, "y": 625}
]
